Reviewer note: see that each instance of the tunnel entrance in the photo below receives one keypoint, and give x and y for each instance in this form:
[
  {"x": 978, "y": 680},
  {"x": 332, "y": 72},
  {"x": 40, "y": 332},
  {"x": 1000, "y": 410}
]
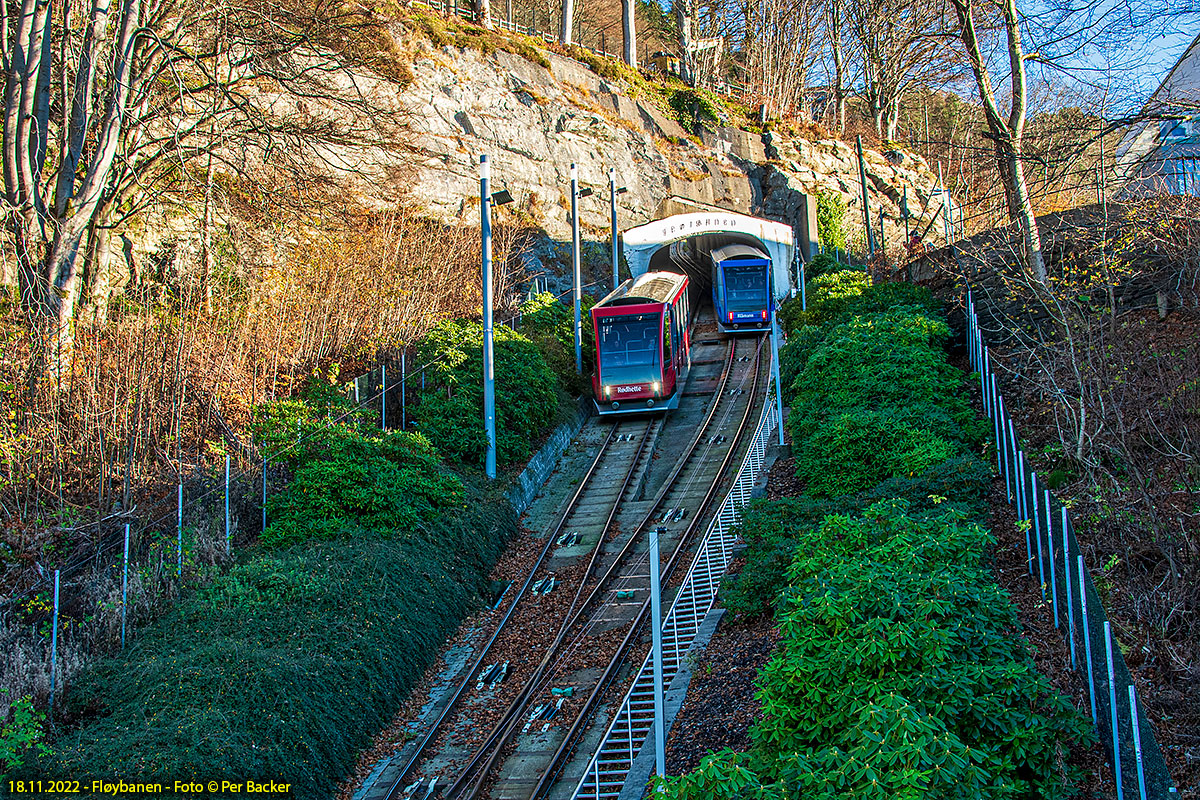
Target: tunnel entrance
[{"x": 685, "y": 243}]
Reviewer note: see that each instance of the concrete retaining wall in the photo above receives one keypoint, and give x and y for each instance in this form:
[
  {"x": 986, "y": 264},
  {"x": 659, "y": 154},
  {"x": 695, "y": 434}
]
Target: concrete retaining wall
[{"x": 530, "y": 481}]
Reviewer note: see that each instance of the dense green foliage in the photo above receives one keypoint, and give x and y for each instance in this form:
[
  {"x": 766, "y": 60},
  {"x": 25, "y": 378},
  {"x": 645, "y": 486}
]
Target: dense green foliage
[
  {"x": 348, "y": 478},
  {"x": 21, "y": 736},
  {"x": 898, "y": 675},
  {"x": 873, "y": 398},
  {"x": 550, "y": 324},
  {"x": 284, "y": 666},
  {"x": 831, "y": 220},
  {"x": 450, "y": 407},
  {"x": 695, "y": 108}
]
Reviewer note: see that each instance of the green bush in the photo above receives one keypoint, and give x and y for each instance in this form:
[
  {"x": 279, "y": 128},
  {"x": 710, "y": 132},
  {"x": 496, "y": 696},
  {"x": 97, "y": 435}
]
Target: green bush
[
  {"x": 824, "y": 264},
  {"x": 794, "y": 355},
  {"x": 831, "y": 220},
  {"x": 348, "y": 478},
  {"x": 829, "y": 295},
  {"x": 450, "y": 411},
  {"x": 550, "y": 324},
  {"x": 694, "y": 108},
  {"x": 897, "y": 657},
  {"x": 22, "y": 735},
  {"x": 773, "y": 530},
  {"x": 898, "y": 674},
  {"x": 854, "y": 450},
  {"x": 284, "y": 667}
]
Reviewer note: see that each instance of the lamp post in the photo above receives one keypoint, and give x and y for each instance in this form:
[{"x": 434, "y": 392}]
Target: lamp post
[
  {"x": 613, "y": 191},
  {"x": 575, "y": 267},
  {"x": 489, "y": 376}
]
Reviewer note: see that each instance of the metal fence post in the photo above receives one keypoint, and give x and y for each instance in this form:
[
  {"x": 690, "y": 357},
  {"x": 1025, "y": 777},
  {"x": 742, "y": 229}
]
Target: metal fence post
[
  {"x": 403, "y": 399},
  {"x": 228, "y": 528},
  {"x": 984, "y": 361},
  {"x": 998, "y": 431},
  {"x": 53, "y": 648},
  {"x": 1016, "y": 469},
  {"x": 1036, "y": 520},
  {"x": 1050, "y": 551},
  {"x": 1021, "y": 511},
  {"x": 383, "y": 397},
  {"x": 656, "y": 635},
  {"x": 1137, "y": 741},
  {"x": 1002, "y": 441},
  {"x": 125, "y": 586},
  {"x": 1087, "y": 639},
  {"x": 1112, "y": 707},
  {"x": 264, "y": 494},
  {"x": 1066, "y": 539},
  {"x": 179, "y": 534}
]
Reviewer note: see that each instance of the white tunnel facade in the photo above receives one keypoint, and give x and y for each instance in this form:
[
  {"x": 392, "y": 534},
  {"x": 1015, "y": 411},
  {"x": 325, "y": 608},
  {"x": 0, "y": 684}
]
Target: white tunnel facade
[{"x": 641, "y": 243}]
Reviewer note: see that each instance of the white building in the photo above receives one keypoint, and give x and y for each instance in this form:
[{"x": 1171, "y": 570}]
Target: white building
[{"x": 1161, "y": 155}]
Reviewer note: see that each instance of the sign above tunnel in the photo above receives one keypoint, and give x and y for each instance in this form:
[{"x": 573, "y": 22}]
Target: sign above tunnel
[{"x": 642, "y": 243}]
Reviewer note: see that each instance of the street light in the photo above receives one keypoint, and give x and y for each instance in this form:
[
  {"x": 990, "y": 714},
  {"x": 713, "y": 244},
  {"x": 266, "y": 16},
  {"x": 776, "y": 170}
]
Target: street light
[{"x": 575, "y": 267}]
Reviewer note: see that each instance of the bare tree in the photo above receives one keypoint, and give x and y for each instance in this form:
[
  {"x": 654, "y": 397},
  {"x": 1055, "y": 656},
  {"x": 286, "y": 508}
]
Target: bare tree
[
  {"x": 1006, "y": 131},
  {"x": 835, "y": 21},
  {"x": 568, "y": 19},
  {"x": 900, "y": 44},
  {"x": 628, "y": 31},
  {"x": 141, "y": 88},
  {"x": 780, "y": 42}
]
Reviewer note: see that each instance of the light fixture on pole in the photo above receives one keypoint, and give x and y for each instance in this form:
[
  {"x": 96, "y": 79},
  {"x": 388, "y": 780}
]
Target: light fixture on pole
[{"x": 613, "y": 191}]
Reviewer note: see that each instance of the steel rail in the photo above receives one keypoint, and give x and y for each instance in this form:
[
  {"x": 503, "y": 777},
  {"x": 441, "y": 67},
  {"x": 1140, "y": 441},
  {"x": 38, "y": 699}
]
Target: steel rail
[
  {"x": 493, "y": 746},
  {"x": 435, "y": 727},
  {"x": 631, "y": 722},
  {"x": 568, "y": 743},
  {"x": 504, "y": 729}
]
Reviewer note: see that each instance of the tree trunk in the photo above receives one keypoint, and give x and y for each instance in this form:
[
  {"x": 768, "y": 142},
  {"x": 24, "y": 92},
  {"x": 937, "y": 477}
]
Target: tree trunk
[
  {"x": 893, "y": 119},
  {"x": 206, "y": 254},
  {"x": 97, "y": 289},
  {"x": 1030, "y": 238},
  {"x": 1006, "y": 133},
  {"x": 687, "y": 49},
  {"x": 628, "y": 29},
  {"x": 483, "y": 13}
]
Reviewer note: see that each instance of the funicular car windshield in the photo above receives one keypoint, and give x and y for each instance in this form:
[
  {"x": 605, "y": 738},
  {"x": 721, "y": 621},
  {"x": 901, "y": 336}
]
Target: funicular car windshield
[
  {"x": 629, "y": 348},
  {"x": 745, "y": 287}
]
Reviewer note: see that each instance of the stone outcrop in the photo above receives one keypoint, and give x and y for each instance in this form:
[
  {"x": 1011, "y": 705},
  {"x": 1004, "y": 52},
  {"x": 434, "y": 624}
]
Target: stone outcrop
[{"x": 534, "y": 121}]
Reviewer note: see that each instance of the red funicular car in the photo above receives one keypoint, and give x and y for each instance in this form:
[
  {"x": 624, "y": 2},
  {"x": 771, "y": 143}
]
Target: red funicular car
[{"x": 642, "y": 344}]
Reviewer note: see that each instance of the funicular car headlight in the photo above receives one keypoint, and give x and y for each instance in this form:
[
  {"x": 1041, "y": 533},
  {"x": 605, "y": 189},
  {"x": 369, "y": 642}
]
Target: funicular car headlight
[{"x": 654, "y": 387}]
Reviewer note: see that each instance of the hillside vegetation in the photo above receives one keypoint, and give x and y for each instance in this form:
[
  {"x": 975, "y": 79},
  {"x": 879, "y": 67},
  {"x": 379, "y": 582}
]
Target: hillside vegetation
[
  {"x": 286, "y": 663},
  {"x": 898, "y": 673}
]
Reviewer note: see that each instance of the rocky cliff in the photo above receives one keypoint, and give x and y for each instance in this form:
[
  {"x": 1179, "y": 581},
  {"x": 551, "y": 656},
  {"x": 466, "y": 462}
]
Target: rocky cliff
[{"x": 534, "y": 120}]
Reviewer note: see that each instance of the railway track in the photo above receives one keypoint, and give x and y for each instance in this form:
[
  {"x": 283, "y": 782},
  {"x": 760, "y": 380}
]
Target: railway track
[{"x": 533, "y": 712}]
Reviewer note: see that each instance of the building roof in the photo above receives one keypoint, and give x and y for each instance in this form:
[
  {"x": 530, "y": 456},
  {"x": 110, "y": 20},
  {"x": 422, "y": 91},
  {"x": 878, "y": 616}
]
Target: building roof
[
  {"x": 650, "y": 287},
  {"x": 1178, "y": 96}
]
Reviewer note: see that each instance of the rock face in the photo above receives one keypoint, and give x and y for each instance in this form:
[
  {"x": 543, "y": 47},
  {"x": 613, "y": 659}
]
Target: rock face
[{"x": 534, "y": 122}]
